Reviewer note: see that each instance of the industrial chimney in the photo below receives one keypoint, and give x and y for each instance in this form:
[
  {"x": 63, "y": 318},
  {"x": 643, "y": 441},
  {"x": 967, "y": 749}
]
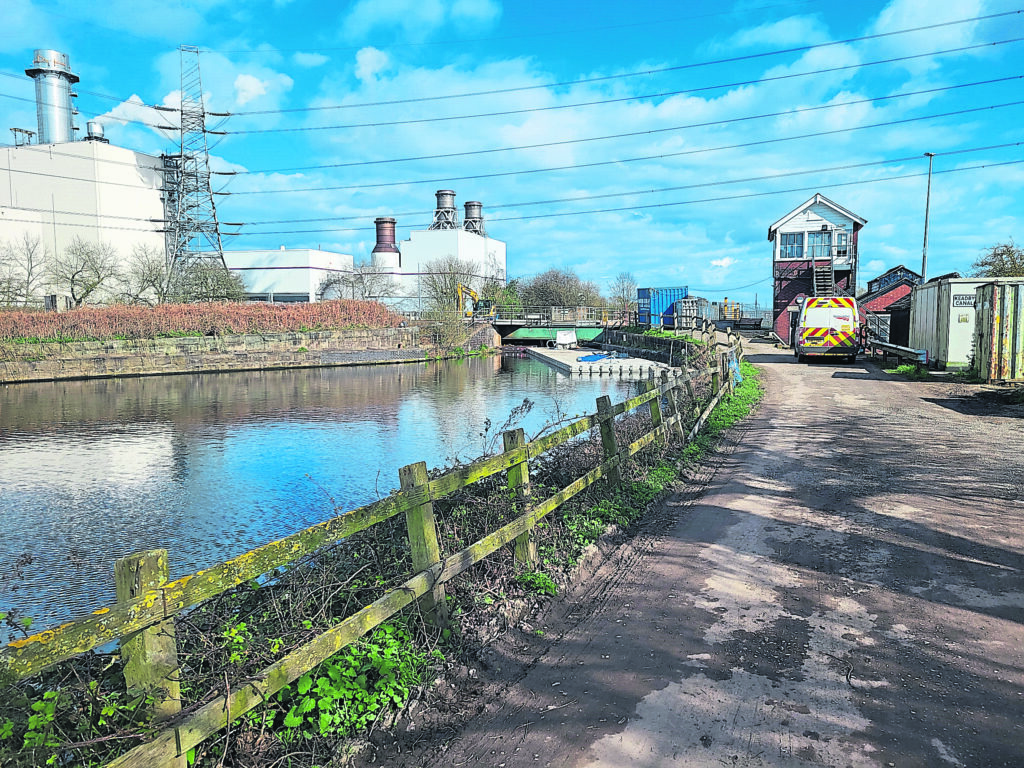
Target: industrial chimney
[
  {"x": 474, "y": 221},
  {"x": 54, "y": 109},
  {"x": 385, "y": 253},
  {"x": 385, "y": 235},
  {"x": 445, "y": 216}
]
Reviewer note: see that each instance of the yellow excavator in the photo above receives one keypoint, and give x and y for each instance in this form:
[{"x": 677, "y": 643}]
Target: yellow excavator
[{"x": 480, "y": 308}]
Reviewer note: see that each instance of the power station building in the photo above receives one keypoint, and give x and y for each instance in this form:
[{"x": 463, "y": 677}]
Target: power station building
[
  {"x": 59, "y": 188},
  {"x": 411, "y": 265}
]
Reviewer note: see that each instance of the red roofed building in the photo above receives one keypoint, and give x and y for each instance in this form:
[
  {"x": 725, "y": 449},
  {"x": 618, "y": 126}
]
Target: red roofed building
[{"x": 884, "y": 291}]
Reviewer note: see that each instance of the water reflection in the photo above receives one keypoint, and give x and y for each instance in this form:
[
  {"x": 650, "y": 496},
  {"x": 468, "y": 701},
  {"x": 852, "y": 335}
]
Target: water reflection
[{"x": 211, "y": 465}]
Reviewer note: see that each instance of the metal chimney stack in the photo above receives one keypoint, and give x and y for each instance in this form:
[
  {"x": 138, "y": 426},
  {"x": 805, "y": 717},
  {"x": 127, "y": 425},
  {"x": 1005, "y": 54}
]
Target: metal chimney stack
[
  {"x": 385, "y": 235},
  {"x": 474, "y": 220},
  {"x": 446, "y": 216},
  {"x": 54, "y": 109}
]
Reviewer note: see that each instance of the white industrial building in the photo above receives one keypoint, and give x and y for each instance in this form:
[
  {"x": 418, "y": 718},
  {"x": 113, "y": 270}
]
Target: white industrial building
[
  {"x": 286, "y": 275},
  {"x": 410, "y": 263},
  {"x": 86, "y": 189},
  {"x": 60, "y": 188}
]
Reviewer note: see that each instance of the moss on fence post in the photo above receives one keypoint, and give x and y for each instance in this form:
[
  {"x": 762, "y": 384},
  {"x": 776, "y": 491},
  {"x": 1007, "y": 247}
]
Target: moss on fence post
[
  {"x": 423, "y": 541},
  {"x": 519, "y": 482},
  {"x": 609, "y": 443},
  {"x": 150, "y": 656}
]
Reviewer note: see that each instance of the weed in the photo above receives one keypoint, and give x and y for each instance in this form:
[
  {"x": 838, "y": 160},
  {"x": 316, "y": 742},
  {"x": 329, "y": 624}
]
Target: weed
[
  {"x": 911, "y": 371},
  {"x": 538, "y": 583},
  {"x": 352, "y": 689}
]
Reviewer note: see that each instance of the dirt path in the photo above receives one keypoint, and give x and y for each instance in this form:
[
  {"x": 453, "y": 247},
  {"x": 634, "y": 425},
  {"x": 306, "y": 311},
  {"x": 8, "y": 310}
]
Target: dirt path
[{"x": 847, "y": 590}]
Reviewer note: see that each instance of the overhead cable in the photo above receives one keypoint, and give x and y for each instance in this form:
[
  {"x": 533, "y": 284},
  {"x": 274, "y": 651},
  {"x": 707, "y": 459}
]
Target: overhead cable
[
  {"x": 650, "y": 206},
  {"x": 700, "y": 89},
  {"x": 598, "y": 102},
  {"x": 706, "y": 124},
  {"x": 741, "y": 145}
]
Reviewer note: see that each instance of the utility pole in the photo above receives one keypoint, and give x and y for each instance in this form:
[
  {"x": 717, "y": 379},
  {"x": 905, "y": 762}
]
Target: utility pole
[{"x": 927, "y": 206}]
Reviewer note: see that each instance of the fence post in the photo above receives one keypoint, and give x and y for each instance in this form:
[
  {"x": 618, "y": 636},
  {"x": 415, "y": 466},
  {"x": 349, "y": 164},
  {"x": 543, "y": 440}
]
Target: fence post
[
  {"x": 716, "y": 375},
  {"x": 673, "y": 406},
  {"x": 150, "y": 656},
  {"x": 519, "y": 481},
  {"x": 610, "y": 444},
  {"x": 655, "y": 404},
  {"x": 422, "y": 529}
]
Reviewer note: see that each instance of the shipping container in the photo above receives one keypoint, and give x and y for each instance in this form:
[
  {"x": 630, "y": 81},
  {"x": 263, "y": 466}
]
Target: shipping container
[
  {"x": 654, "y": 305},
  {"x": 942, "y": 320},
  {"x": 1000, "y": 331}
]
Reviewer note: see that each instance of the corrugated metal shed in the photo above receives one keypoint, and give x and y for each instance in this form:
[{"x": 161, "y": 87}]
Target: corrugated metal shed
[
  {"x": 654, "y": 305},
  {"x": 1000, "y": 331}
]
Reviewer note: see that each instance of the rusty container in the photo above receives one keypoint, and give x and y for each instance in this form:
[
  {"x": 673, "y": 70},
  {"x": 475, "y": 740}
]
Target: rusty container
[{"x": 999, "y": 347}]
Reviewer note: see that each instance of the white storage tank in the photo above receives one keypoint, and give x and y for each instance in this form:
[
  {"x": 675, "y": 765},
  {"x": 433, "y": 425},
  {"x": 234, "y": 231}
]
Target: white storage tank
[{"x": 942, "y": 320}]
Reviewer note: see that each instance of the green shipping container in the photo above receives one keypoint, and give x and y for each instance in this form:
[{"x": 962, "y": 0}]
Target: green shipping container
[{"x": 999, "y": 331}]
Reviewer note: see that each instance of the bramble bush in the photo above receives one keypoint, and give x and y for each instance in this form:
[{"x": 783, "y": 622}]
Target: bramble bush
[{"x": 212, "y": 319}]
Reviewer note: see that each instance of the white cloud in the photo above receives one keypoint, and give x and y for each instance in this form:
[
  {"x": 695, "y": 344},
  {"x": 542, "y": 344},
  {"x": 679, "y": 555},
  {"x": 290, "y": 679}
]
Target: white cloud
[
  {"x": 794, "y": 31},
  {"x": 303, "y": 59},
  {"x": 475, "y": 13},
  {"x": 248, "y": 88},
  {"x": 418, "y": 19},
  {"x": 370, "y": 62},
  {"x": 723, "y": 263},
  {"x": 875, "y": 266}
]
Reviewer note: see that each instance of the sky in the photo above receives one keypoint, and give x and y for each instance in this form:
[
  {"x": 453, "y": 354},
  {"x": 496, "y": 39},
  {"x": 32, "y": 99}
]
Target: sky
[{"x": 656, "y": 138}]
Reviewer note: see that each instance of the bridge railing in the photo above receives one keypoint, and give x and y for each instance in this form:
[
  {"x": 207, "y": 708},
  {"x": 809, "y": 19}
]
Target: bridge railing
[{"x": 148, "y": 603}]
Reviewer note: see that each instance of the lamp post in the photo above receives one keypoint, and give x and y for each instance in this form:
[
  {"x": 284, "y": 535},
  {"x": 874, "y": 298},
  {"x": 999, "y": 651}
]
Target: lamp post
[{"x": 927, "y": 206}]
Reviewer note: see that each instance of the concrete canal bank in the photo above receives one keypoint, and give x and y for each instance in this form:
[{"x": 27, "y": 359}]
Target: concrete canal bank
[{"x": 52, "y": 361}]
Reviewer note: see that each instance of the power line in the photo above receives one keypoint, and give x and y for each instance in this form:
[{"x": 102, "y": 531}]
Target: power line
[
  {"x": 659, "y": 205},
  {"x": 499, "y": 91},
  {"x": 751, "y": 143},
  {"x": 598, "y": 102},
  {"x": 627, "y": 160},
  {"x": 564, "y": 142},
  {"x": 700, "y": 185}
]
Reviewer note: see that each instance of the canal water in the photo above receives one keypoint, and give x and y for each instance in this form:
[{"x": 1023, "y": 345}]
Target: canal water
[{"x": 209, "y": 466}]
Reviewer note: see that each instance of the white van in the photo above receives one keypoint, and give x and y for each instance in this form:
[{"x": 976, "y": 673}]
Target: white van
[{"x": 828, "y": 326}]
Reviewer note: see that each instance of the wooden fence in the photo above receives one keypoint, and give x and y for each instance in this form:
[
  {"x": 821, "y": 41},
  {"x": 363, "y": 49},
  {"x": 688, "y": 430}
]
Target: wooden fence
[{"x": 143, "y": 616}]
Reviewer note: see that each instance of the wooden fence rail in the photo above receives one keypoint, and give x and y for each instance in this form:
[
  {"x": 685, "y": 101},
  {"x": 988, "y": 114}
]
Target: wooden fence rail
[{"x": 143, "y": 616}]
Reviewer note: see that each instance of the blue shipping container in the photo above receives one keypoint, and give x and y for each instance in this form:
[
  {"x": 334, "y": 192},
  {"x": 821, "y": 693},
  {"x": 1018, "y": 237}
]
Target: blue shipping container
[{"x": 654, "y": 305}]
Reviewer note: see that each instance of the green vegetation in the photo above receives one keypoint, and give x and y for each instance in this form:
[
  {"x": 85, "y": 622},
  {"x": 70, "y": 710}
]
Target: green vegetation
[
  {"x": 729, "y": 412},
  {"x": 538, "y": 583},
  {"x": 911, "y": 371},
  {"x": 349, "y": 691}
]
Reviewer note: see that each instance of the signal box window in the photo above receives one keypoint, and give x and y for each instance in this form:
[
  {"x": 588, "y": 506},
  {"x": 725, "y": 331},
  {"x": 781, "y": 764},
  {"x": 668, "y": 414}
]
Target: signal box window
[{"x": 792, "y": 245}]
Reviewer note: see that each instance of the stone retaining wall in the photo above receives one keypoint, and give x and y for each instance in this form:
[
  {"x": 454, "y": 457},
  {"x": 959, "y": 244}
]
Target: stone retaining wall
[{"x": 194, "y": 354}]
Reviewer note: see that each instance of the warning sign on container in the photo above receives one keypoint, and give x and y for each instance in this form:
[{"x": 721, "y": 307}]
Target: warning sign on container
[{"x": 963, "y": 299}]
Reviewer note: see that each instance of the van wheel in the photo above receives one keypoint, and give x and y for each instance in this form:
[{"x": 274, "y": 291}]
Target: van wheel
[{"x": 801, "y": 358}]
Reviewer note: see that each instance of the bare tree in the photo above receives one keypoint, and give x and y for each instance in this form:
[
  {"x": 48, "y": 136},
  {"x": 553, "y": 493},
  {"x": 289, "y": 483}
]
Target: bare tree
[
  {"x": 368, "y": 280},
  {"x": 440, "y": 287},
  {"x": 622, "y": 291},
  {"x": 561, "y": 287},
  {"x": 147, "y": 278},
  {"x": 84, "y": 270},
  {"x": 1002, "y": 260},
  {"x": 22, "y": 269},
  {"x": 205, "y": 281}
]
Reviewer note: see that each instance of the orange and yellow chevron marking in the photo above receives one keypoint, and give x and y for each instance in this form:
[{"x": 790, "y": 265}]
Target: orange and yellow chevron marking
[
  {"x": 828, "y": 338},
  {"x": 831, "y": 301}
]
